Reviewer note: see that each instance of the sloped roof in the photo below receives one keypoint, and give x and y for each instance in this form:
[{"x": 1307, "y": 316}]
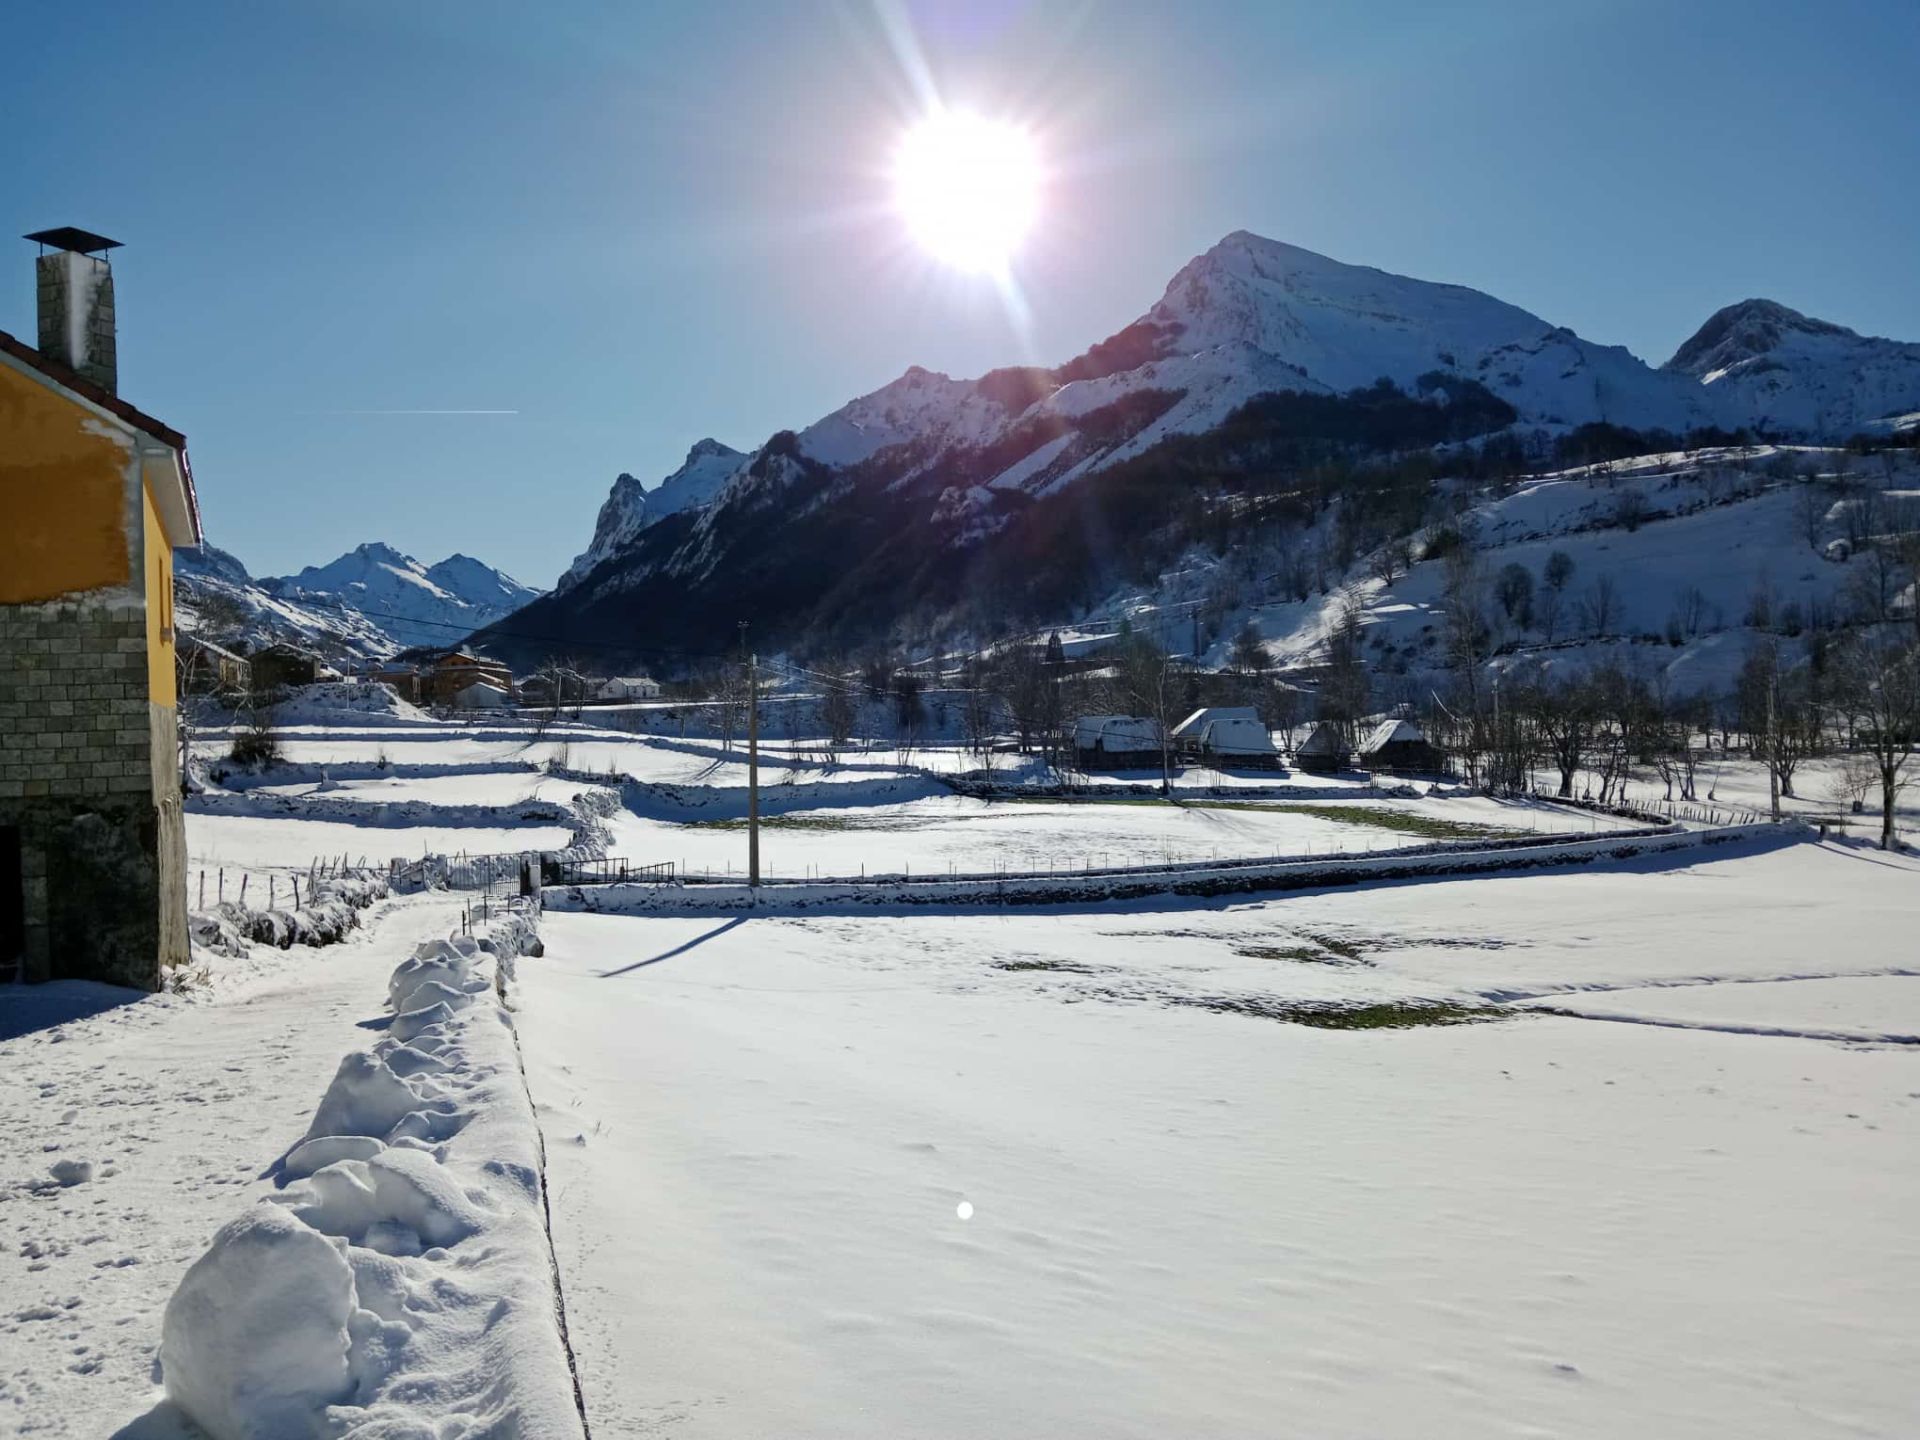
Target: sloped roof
[
  {"x": 1393, "y": 732},
  {"x": 1193, "y": 724},
  {"x": 1119, "y": 731},
  {"x": 105, "y": 399},
  {"x": 1236, "y": 735},
  {"x": 194, "y": 642},
  {"x": 1325, "y": 740}
]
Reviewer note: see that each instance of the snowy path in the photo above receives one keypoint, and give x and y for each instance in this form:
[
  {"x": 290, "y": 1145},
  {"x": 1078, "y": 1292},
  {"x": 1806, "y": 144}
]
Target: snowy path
[
  {"x": 1185, "y": 1222},
  {"x": 181, "y": 1104}
]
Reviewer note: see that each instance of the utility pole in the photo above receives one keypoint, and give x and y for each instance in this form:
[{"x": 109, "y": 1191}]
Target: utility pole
[{"x": 753, "y": 762}]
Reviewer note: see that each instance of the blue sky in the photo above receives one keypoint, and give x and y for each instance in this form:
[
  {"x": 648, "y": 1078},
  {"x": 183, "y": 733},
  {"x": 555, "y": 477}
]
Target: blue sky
[{"x": 635, "y": 225}]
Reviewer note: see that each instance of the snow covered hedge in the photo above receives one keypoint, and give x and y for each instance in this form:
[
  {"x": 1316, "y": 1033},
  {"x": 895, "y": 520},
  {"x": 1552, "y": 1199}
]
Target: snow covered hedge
[
  {"x": 401, "y": 1285},
  {"x": 331, "y": 912}
]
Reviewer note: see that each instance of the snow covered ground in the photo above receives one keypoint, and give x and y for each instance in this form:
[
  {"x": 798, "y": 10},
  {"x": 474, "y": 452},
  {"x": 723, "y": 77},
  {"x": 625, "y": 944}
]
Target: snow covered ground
[
  {"x": 1665, "y": 1189},
  {"x": 945, "y": 832},
  {"x": 1076, "y": 1173},
  {"x": 293, "y": 843},
  {"x": 181, "y": 1104}
]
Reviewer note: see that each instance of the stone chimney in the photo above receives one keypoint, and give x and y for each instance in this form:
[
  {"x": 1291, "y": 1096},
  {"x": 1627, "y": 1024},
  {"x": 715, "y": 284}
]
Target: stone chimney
[{"x": 75, "y": 285}]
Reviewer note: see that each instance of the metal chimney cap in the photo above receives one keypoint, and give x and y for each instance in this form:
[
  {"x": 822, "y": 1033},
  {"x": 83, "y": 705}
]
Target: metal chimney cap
[{"x": 71, "y": 237}]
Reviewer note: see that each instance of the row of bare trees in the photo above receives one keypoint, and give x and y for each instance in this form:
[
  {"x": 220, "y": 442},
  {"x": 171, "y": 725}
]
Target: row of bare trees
[{"x": 1857, "y": 698}]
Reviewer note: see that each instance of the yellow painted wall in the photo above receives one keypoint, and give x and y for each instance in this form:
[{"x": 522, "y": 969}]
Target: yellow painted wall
[
  {"x": 62, "y": 494},
  {"x": 161, "y": 675}
]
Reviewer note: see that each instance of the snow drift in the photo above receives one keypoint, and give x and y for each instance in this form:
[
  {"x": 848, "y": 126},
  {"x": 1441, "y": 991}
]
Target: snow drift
[{"x": 401, "y": 1284}]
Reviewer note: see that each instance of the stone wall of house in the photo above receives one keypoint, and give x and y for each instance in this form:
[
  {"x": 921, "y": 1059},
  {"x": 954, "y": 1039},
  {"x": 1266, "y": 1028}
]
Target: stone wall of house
[{"x": 79, "y": 779}]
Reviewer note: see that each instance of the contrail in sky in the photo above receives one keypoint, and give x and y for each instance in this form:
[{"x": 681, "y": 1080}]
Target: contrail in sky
[{"x": 416, "y": 412}]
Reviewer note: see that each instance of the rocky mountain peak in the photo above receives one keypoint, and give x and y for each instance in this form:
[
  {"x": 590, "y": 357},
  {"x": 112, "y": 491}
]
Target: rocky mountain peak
[{"x": 1743, "y": 331}]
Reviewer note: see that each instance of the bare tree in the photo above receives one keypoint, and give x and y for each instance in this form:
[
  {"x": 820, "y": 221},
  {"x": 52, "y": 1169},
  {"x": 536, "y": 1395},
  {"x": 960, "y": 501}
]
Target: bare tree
[
  {"x": 256, "y": 740},
  {"x": 1345, "y": 686},
  {"x": 1152, "y": 681},
  {"x": 1810, "y": 506},
  {"x": 1513, "y": 589},
  {"x": 1555, "y": 576},
  {"x": 1880, "y": 683},
  {"x": 1778, "y": 712},
  {"x": 837, "y": 706},
  {"x": 1600, "y": 607},
  {"x": 1565, "y": 718},
  {"x": 1249, "y": 653}
]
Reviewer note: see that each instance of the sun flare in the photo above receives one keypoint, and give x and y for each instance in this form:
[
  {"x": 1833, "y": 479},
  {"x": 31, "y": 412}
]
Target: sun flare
[{"x": 968, "y": 189}]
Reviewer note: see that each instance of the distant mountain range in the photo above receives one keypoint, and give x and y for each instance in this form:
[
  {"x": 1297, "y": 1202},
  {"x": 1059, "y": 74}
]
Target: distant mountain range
[
  {"x": 932, "y": 497},
  {"x": 371, "y": 602}
]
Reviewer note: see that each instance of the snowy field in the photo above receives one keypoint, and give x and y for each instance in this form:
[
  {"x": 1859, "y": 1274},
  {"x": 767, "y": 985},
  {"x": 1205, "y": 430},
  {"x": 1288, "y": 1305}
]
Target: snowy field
[
  {"x": 1578, "y": 1153},
  {"x": 950, "y": 832},
  {"x": 250, "y": 841},
  {"x": 453, "y": 789},
  {"x": 1084, "y": 1174}
]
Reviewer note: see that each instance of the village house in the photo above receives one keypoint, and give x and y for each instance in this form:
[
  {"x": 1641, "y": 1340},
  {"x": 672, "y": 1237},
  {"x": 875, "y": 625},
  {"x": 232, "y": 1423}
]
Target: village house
[
  {"x": 210, "y": 669},
  {"x": 1324, "y": 751},
  {"x": 96, "y": 496},
  {"x": 281, "y": 666},
  {"x": 405, "y": 679},
  {"x": 629, "y": 687},
  {"x": 1116, "y": 742},
  {"x": 557, "y": 687},
  {"x": 1400, "y": 746},
  {"x": 457, "y": 670},
  {"x": 1232, "y": 735},
  {"x": 482, "y": 694}
]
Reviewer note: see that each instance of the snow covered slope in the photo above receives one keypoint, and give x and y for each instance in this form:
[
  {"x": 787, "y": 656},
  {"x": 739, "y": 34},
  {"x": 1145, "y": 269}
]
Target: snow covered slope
[
  {"x": 1773, "y": 369},
  {"x": 412, "y": 603},
  {"x": 1345, "y": 326},
  {"x": 219, "y": 601},
  {"x": 631, "y": 507},
  {"x": 1680, "y": 563}
]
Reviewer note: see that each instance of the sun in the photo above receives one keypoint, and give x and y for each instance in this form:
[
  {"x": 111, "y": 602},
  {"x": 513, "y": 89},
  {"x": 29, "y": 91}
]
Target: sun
[{"x": 968, "y": 188}]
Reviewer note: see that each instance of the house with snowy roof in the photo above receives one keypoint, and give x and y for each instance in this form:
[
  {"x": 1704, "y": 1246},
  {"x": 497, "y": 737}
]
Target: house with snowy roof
[
  {"x": 1400, "y": 745},
  {"x": 482, "y": 694},
  {"x": 628, "y": 687},
  {"x": 1324, "y": 751},
  {"x": 1227, "y": 735},
  {"x": 1116, "y": 742}
]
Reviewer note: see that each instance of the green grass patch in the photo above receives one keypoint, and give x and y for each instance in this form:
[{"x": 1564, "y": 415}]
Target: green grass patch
[
  {"x": 1346, "y": 949},
  {"x": 1084, "y": 800},
  {"x": 1303, "y": 954},
  {"x": 791, "y": 822},
  {"x": 1401, "y": 822},
  {"x": 1395, "y": 1015}
]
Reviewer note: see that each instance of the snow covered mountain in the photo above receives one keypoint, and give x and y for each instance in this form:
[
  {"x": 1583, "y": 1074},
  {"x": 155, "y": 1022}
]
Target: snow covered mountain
[
  {"x": 1772, "y": 369},
  {"x": 415, "y": 604},
  {"x": 631, "y": 507},
  {"x": 1259, "y": 358},
  {"x": 372, "y": 601},
  {"x": 1344, "y": 326},
  {"x": 219, "y": 601}
]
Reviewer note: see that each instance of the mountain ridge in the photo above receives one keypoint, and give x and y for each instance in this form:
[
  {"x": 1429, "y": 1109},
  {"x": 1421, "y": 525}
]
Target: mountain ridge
[
  {"x": 370, "y": 602},
  {"x": 933, "y": 475}
]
